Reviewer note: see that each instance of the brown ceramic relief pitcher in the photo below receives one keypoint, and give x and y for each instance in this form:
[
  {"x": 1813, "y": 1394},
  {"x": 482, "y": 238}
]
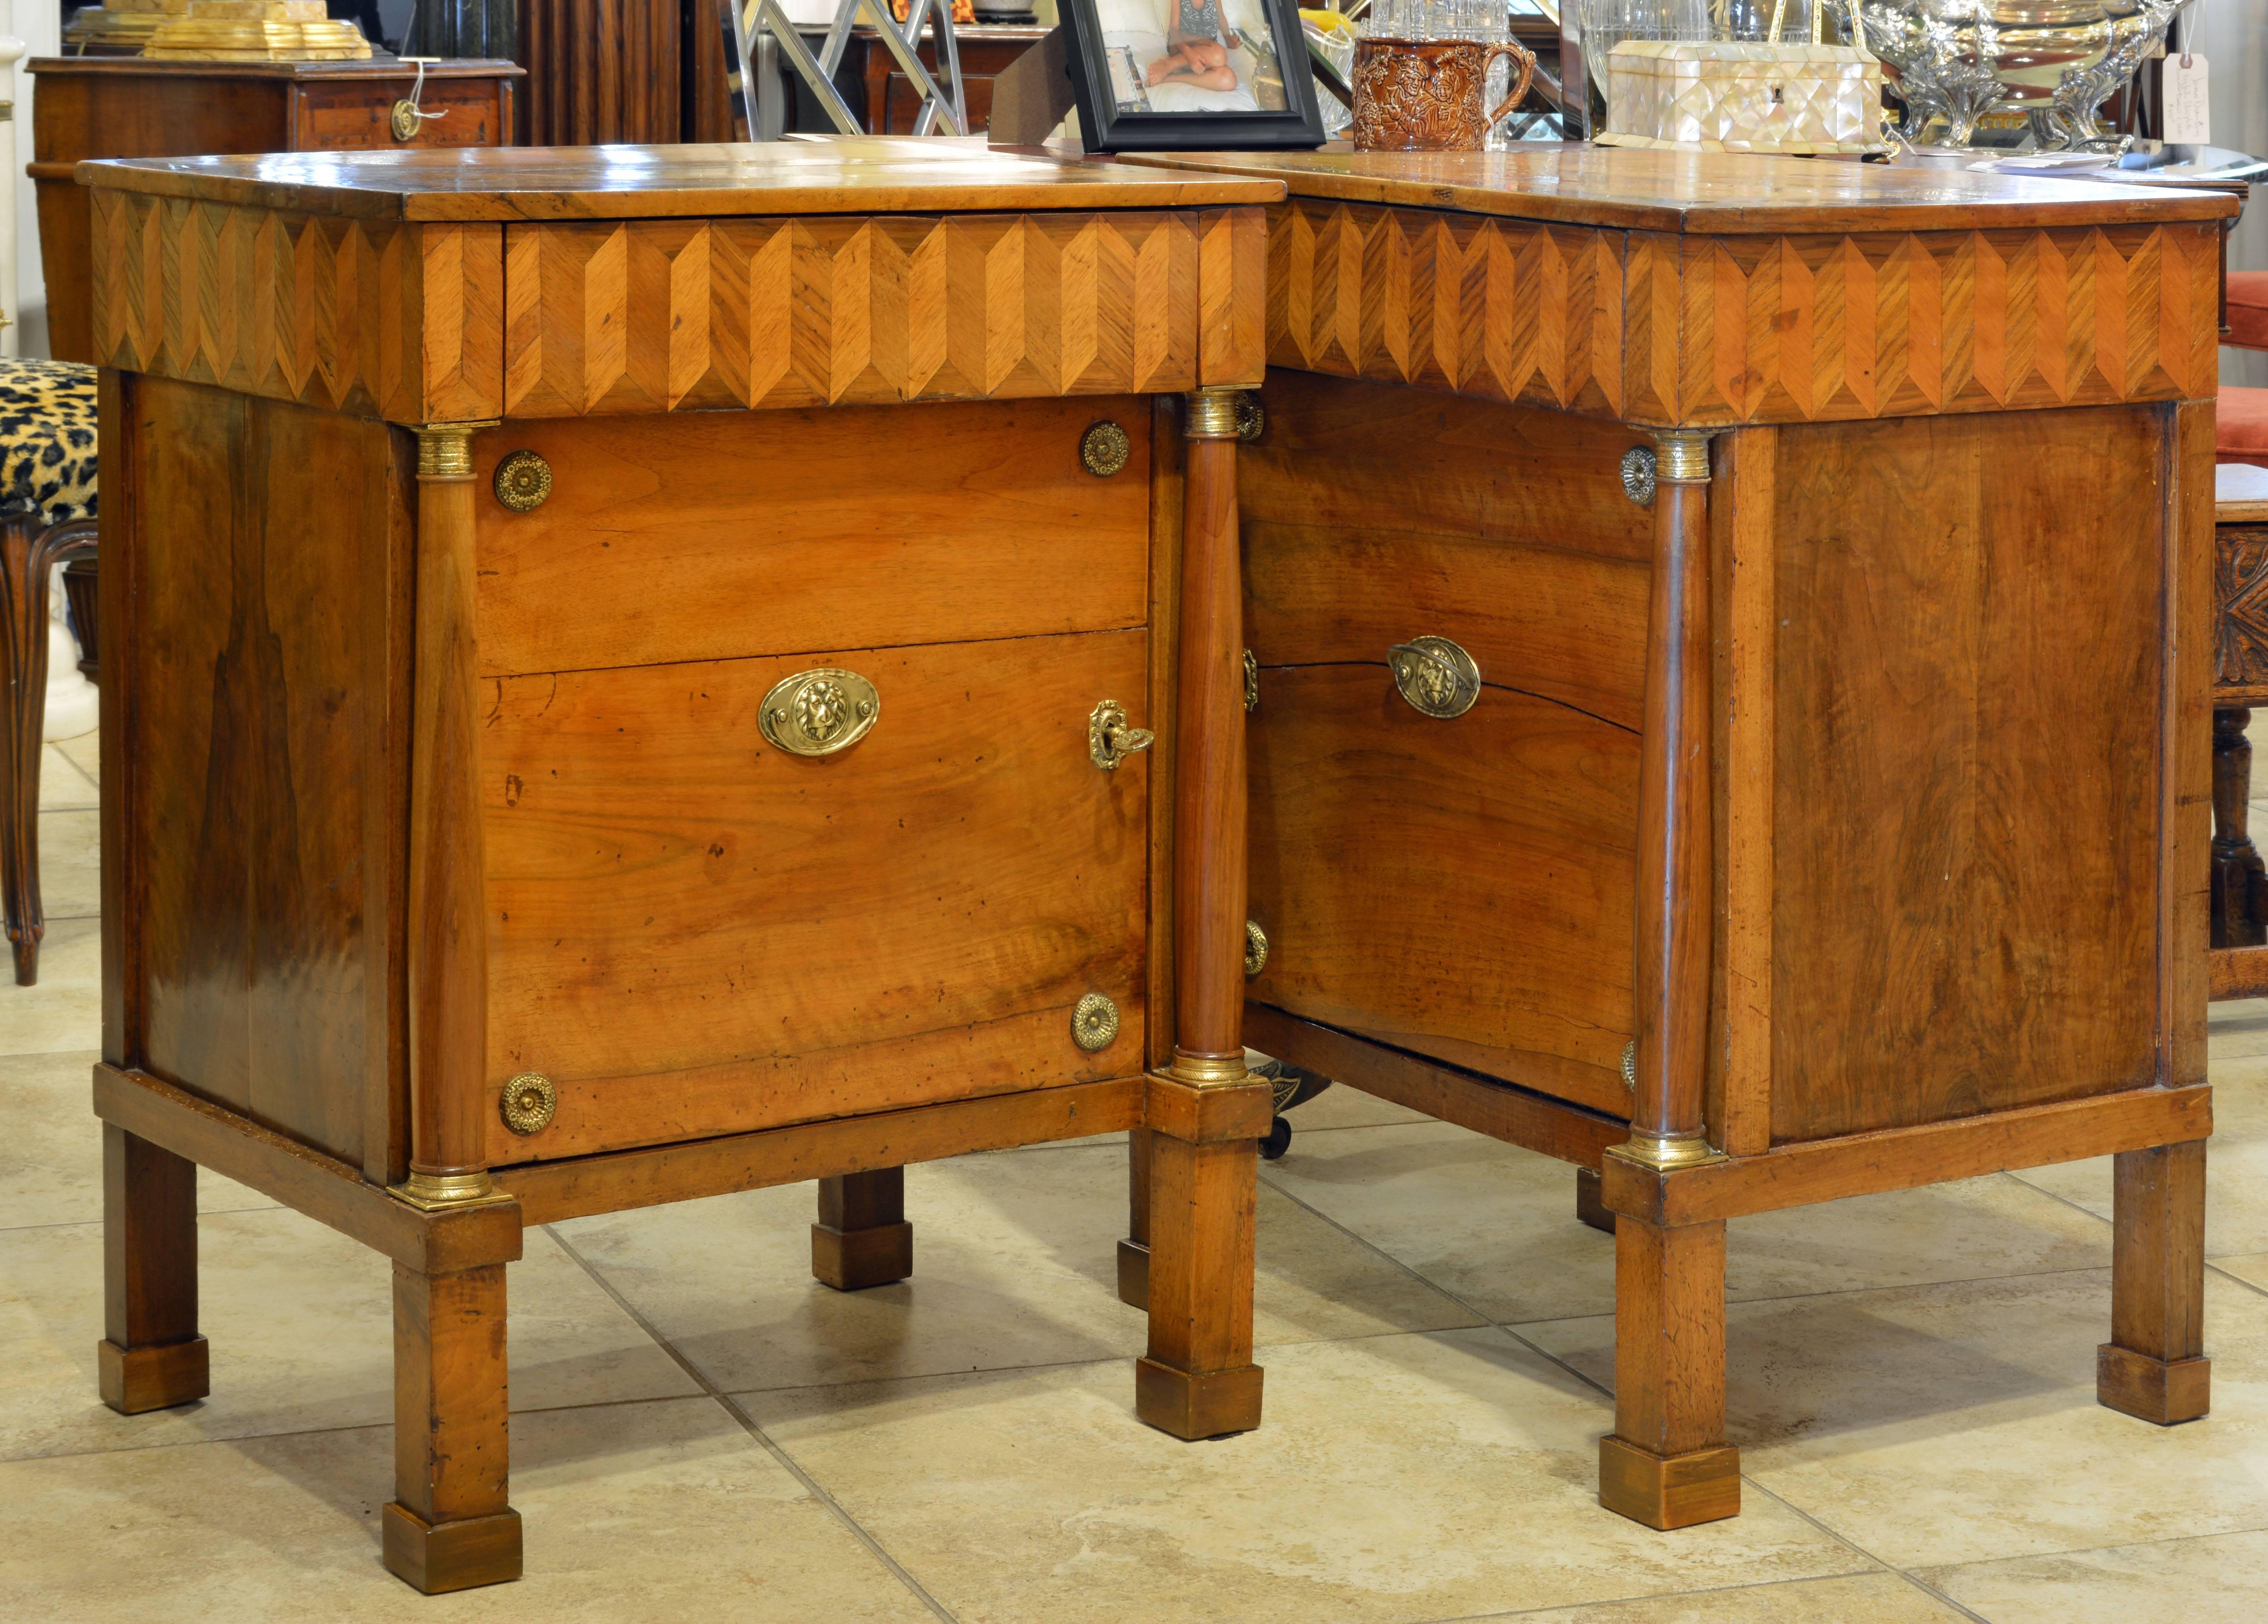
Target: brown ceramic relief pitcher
[{"x": 1425, "y": 95}]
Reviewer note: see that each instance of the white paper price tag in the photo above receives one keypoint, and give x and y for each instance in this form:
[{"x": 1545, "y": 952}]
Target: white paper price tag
[{"x": 2189, "y": 111}]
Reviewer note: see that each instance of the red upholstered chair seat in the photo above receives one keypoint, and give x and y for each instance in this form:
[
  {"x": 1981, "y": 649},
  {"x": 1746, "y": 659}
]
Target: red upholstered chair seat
[
  {"x": 2248, "y": 310},
  {"x": 2243, "y": 415}
]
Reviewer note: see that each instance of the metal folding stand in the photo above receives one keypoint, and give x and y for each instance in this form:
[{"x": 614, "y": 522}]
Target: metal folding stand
[{"x": 758, "y": 35}]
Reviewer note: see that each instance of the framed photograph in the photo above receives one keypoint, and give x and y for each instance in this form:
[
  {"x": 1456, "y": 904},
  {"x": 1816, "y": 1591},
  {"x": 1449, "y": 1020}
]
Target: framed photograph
[{"x": 1161, "y": 76}]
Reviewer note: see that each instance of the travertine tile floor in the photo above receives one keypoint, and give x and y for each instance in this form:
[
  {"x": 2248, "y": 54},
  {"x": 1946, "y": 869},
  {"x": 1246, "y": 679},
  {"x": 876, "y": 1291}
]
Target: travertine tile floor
[{"x": 701, "y": 1432}]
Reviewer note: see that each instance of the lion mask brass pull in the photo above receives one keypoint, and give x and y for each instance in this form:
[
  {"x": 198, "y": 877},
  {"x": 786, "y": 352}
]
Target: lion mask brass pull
[
  {"x": 819, "y": 713},
  {"x": 1435, "y": 675}
]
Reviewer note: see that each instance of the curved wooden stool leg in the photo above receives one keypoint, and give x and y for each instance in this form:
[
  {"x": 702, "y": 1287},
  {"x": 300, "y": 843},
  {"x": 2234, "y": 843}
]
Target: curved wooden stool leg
[
  {"x": 2238, "y": 874},
  {"x": 24, "y": 668}
]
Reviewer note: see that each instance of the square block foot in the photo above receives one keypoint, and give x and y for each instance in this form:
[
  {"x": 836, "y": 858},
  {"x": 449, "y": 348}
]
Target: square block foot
[
  {"x": 1669, "y": 1491},
  {"x": 2156, "y": 1390},
  {"x": 853, "y": 1259},
  {"x": 135, "y": 1380},
  {"x": 1134, "y": 1275},
  {"x": 1590, "y": 1201},
  {"x": 454, "y": 1556},
  {"x": 1197, "y": 1406}
]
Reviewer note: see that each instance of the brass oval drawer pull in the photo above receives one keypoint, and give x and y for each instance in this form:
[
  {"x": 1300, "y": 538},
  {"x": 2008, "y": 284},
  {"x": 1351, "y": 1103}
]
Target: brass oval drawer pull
[
  {"x": 1094, "y": 1023},
  {"x": 523, "y": 481},
  {"x": 1638, "y": 469},
  {"x": 1256, "y": 948},
  {"x": 819, "y": 713},
  {"x": 1435, "y": 675},
  {"x": 1111, "y": 739},
  {"x": 528, "y": 1103}
]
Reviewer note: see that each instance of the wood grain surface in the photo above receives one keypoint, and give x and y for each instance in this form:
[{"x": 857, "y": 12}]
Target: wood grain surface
[
  {"x": 1459, "y": 889},
  {"x": 1671, "y": 330},
  {"x": 694, "y": 933},
  {"x": 1967, "y": 828},
  {"x": 268, "y": 728},
  {"x": 729, "y": 533},
  {"x": 857, "y": 175},
  {"x": 366, "y": 316},
  {"x": 656, "y": 315},
  {"x": 1504, "y": 529},
  {"x": 1701, "y": 193}
]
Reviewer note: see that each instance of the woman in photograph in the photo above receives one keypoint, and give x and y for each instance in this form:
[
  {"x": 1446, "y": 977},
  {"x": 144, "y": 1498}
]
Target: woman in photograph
[{"x": 1197, "y": 48}]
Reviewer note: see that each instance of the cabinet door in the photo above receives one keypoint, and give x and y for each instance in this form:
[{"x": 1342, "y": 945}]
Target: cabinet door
[{"x": 693, "y": 932}]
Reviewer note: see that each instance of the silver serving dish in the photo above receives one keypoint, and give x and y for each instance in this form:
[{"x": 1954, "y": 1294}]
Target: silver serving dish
[{"x": 2055, "y": 61}]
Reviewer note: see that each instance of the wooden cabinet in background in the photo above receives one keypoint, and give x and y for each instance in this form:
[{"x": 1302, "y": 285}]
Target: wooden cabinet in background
[{"x": 123, "y": 106}]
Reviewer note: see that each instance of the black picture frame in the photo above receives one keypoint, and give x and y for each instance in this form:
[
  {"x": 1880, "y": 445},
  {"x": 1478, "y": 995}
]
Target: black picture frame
[{"x": 1105, "y": 127}]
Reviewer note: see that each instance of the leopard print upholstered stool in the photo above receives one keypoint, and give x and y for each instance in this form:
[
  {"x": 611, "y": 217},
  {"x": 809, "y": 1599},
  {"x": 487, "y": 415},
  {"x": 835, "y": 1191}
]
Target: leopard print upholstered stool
[{"x": 46, "y": 515}]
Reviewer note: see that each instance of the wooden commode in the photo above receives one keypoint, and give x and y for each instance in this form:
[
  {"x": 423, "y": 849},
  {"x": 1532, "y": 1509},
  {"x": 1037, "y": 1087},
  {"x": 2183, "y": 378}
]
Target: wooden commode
[
  {"x": 1730, "y": 657},
  {"x": 634, "y": 677}
]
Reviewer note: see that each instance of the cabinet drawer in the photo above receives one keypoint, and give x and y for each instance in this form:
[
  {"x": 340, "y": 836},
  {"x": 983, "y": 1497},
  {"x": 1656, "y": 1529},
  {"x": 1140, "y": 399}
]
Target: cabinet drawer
[
  {"x": 692, "y": 932},
  {"x": 357, "y": 115},
  {"x": 1462, "y": 889},
  {"x": 716, "y": 534}
]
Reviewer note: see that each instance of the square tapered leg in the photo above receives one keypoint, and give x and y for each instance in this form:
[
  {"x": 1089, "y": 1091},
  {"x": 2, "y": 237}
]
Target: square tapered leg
[
  {"x": 1134, "y": 1250},
  {"x": 2154, "y": 1365},
  {"x": 151, "y": 1357},
  {"x": 1198, "y": 1380},
  {"x": 1666, "y": 1463},
  {"x": 862, "y": 1237},
  {"x": 451, "y": 1526}
]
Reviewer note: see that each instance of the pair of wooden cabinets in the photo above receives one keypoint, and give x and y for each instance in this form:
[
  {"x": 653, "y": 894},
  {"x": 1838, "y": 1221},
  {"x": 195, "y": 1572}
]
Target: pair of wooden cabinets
[{"x": 634, "y": 669}]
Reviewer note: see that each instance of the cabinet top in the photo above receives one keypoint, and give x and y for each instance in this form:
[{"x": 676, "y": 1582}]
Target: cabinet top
[
  {"x": 1713, "y": 194},
  {"x": 373, "y": 67},
  {"x": 853, "y": 175}
]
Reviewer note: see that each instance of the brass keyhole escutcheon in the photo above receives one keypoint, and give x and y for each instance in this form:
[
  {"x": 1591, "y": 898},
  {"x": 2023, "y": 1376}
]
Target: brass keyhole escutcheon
[
  {"x": 1439, "y": 678},
  {"x": 523, "y": 480},
  {"x": 819, "y": 713},
  {"x": 1111, "y": 738},
  {"x": 528, "y": 1103},
  {"x": 1094, "y": 1023},
  {"x": 1256, "y": 948},
  {"x": 1103, "y": 449}
]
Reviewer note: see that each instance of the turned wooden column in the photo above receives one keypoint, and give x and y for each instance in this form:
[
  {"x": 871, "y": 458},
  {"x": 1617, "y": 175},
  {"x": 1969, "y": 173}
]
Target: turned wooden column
[
  {"x": 1205, "y": 1116},
  {"x": 448, "y": 926},
  {"x": 1666, "y": 1463},
  {"x": 2238, "y": 874}
]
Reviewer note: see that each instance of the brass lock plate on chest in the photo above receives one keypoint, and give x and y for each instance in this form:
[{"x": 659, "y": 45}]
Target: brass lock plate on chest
[
  {"x": 1111, "y": 737},
  {"x": 819, "y": 713},
  {"x": 1438, "y": 678}
]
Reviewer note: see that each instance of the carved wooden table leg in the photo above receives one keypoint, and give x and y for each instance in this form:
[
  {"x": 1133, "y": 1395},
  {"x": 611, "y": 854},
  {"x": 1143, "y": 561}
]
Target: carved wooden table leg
[
  {"x": 862, "y": 1237},
  {"x": 448, "y": 1526},
  {"x": 2237, "y": 870},
  {"x": 1207, "y": 1116},
  {"x": 151, "y": 1356},
  {"x": 2154, "y": 1364},
  {"x": 1666, "y": 1463}
]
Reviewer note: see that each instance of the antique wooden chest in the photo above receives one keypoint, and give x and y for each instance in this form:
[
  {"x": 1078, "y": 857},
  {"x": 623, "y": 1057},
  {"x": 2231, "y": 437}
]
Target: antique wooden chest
[
  {"x": 635, "y": 673},
  {"x": 1730, "y": 655}
]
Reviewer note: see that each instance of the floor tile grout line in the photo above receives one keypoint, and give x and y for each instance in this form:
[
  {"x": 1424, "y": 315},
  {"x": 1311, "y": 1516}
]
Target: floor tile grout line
[
  {"x": 2212, "y": 1266},
  {"x": 1922, "y": 1584},
  {"x": 96, "y": 1222},
  {"x": 1488, "y": 1320},
  {"x": 1712, "y": 1590},
  {"x": 748, "y": 1424}
]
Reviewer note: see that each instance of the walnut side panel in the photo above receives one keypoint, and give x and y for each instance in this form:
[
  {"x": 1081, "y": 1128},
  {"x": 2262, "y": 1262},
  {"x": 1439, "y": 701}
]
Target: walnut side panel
[
  {"x": 372, "y": 317},
  {"x": 265, "y": 832},
  {"x": 682, "y": 315},
  {"x": 1967, "y": 816}
]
